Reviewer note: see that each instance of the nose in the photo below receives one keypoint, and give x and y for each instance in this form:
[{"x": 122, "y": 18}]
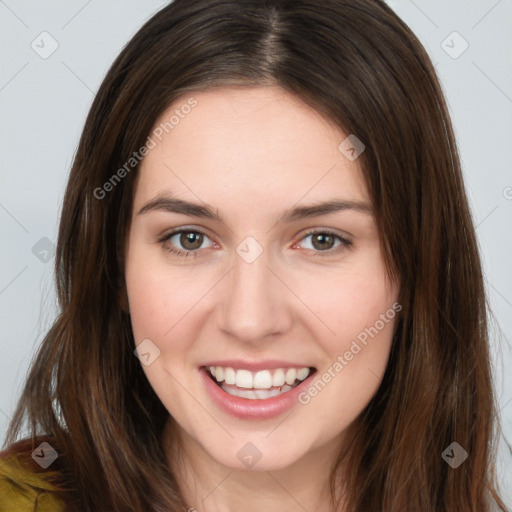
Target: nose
[{"x": 255, "y": 304}]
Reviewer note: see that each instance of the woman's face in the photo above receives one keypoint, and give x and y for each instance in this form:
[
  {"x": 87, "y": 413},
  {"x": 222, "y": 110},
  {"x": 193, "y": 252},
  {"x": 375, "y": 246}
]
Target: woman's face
[{"x": 278, "y": 271}]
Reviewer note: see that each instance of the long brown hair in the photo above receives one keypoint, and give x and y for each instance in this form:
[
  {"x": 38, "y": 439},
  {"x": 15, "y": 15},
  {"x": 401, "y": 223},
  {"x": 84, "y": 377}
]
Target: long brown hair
[{"x": 358, "y": 64}]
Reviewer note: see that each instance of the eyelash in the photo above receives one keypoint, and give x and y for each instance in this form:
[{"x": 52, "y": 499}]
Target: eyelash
[{"x": 344, "y": 243}]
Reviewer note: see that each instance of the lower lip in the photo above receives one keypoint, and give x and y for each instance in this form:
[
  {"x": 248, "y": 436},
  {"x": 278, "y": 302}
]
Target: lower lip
[{"x": 244, "y": 408}]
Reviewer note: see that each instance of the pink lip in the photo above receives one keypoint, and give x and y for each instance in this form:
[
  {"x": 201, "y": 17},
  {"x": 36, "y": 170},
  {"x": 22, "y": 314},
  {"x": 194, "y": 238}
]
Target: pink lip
[
  {"x": 246, "y": 409},
  {"x": 254, "y": 366}
]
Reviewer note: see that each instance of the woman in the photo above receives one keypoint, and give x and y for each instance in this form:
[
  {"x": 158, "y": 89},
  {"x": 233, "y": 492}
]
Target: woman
[{"x": 270, "y": 289}]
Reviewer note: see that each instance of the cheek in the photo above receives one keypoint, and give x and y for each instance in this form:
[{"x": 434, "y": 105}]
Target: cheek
[
  {"x": 351, "y": 301},
  {"x": 147, "y": 299},
  {"x": 158, "y": 295},
  {"x": 356, "y": 360},
  {"x": 360, "y": 307}
]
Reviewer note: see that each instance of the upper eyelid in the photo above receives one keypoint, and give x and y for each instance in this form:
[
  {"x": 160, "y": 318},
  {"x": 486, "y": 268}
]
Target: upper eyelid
[{"x": 185, "y": 229}]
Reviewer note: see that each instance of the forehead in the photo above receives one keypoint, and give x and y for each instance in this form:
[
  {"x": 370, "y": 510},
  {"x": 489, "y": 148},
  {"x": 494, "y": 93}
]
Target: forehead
[{"x": 251, "y": 144}]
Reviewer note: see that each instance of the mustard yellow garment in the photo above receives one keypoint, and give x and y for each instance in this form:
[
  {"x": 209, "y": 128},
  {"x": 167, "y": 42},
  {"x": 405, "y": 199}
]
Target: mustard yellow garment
[{"x": 24, "y": 491}]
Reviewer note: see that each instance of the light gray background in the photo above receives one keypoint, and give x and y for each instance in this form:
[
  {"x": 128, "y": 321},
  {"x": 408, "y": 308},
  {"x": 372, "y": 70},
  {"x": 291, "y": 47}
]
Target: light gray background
[{"x": 44, "y": 102}]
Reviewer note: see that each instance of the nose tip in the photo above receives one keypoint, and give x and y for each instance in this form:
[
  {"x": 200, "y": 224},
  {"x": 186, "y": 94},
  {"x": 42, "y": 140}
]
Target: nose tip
[{"x": 253, "y": 306}]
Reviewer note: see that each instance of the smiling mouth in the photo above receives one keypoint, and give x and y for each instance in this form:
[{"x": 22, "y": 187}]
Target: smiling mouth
[{"x": 259, "y": 385}]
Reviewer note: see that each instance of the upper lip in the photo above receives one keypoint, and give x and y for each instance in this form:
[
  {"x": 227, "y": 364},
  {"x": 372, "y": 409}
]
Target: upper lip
[{"x": 268, "y": 364}]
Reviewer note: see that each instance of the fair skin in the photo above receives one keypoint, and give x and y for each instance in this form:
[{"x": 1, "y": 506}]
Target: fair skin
[{"x": 252, "y": 154}]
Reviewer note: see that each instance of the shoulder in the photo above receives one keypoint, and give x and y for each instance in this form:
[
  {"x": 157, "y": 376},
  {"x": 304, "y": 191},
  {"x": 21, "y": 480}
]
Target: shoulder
[{"x": 24, "y": 487}]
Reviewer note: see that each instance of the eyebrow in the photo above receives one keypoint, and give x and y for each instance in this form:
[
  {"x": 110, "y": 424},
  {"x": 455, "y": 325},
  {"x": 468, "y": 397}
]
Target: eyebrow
[{"x": 174, "y": 205}]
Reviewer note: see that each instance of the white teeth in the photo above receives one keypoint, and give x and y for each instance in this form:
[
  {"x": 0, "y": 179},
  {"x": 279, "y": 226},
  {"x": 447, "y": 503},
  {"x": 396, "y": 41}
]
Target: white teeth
[
  {"x": 243, "y": 379},
  {"x": 255, "y": 394},
  {"x": 264, "y": 393},
  {"x": 302, "y": 373},
  {"x": 291, "y": 375},
  {"x": 261, "y": 380},
  {"x": 229, "y": 376},
  {"x": 278, "y": 378}
]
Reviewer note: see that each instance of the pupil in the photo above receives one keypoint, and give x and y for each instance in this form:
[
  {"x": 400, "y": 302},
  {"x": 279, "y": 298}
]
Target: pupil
[
  {"x": 322, "y": 238},
  {"x": 187, "y": 240}
]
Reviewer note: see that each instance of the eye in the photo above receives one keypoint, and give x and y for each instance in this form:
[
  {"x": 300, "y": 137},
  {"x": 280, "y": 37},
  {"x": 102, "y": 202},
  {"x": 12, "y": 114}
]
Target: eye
[
  {"x": 324, "y": 242},
  {"x": 190, "y": 240}
]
